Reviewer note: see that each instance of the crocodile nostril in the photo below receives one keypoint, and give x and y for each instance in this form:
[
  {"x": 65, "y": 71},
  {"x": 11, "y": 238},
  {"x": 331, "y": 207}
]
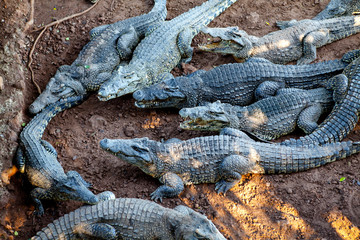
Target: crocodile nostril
[{"x": 104, "y": 142}]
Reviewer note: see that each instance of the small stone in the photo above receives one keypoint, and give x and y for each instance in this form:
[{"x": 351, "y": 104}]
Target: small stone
[
  {"x": 267, "y": 184},
  {"x": 1, "y": 83},
  {"x": 129, "y": 131},
  {"x": 289, "y": 190}
]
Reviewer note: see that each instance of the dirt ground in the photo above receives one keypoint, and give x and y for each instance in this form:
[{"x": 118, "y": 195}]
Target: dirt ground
[{"x": 307, "y": 205}]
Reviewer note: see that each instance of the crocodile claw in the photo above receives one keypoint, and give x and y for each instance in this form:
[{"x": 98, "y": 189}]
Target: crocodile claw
[
  {"x": 39, "y": 211},
  {"x": 223, "y": 186},
  {"x": 156, "y": 195}
]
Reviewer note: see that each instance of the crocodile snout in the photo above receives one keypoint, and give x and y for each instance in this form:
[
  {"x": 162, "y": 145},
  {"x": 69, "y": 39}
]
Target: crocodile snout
[{"x": 139, "y": 95}]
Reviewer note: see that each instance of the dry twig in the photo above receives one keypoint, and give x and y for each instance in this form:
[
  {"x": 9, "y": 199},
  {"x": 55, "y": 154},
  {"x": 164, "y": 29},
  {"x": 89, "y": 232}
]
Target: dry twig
[{"x": 42, "y": 32}]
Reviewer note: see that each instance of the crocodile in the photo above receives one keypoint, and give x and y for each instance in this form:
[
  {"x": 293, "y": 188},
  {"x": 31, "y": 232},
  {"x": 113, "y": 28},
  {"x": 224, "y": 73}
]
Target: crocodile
[
  {"x": 110, "y": 45},
  {"x": 220, "y": 159},
  {"x": 267, "y": 119},
  {"x": 236, "y": 83},
  {"x": 335, "y": 8},
  {"x": 165, "y": 46},
  {"x": 128, "y": 219},
  {"x": 345, "y": 114},
  {"x": 37, "y": 159},
  {"x": 298, "y": 42}
]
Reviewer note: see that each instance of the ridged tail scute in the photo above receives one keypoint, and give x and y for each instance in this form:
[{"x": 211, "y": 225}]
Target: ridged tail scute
[{"x": 41, "y": 120}]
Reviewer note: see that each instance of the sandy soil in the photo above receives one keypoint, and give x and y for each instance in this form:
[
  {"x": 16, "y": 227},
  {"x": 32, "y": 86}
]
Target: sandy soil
[{"x": 307, "y": 205}]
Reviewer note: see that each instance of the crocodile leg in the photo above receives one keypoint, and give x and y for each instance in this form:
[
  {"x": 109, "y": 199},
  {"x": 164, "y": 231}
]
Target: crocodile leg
[
  {"x": 48, "y": 147},
  {"x": 97, "y": 30},
  {"x": 235, "y": 132},
  {"x": 184, "y": 44},
  {"x": 127, "y": 42},
  {"x": 285, "y": 24},
  {"x": 308, "y": 118},
  {"x": 37, "y": 194},
  {"x": 96, "y": 231},
  {"x": 310, "y": 42},
  {"x": 20, "y": 160},
  {"x": 339, "y": 84},
  {"x": 173, "y": 186},
  {"x": 231, "y": 169},
  {"x": 267, "y": 89},
  {"x": 164, "y": 76},
  {"x": 351, "y": 56}
]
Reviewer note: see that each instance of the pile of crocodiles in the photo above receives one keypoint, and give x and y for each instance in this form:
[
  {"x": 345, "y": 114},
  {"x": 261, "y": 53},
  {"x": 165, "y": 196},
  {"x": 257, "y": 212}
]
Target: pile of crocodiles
[{"x": 261, "y": 98}]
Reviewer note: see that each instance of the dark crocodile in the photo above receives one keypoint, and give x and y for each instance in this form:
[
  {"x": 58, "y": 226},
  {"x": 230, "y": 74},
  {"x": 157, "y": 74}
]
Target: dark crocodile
[
  {"x": 267, "y": 119},
  {"x": 220, "y": 159},
  {"x": 236, "y": 83},
  {"x": 163, "y": 48},
  {"x": 128, "y": 219},
  {"x": 345, "y": 114},
  {"x": 37, "y": 158},
  {"x": 110, "y": 45},
  {"x": 335, "y": 8},
  {"x": 298, "y": 42}
]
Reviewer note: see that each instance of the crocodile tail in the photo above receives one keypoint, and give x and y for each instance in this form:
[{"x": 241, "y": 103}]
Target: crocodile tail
[
  {"x": 159, "y": 6},
  {"x": 37, "y": 125}
]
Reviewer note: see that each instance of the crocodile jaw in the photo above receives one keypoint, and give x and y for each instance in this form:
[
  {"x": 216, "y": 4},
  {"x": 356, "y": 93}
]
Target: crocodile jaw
[
  {"x": 159, "y": 103},
  {"x": 203, "y": 125},
  {"x": 222, "y": 46},
  {"x": 119, "y": 85}
]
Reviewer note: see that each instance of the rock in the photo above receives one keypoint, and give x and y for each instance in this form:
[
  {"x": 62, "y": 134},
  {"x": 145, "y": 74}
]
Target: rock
[
  {"x": 129, "y": 130},
  {"x": 1, "y": 83}
]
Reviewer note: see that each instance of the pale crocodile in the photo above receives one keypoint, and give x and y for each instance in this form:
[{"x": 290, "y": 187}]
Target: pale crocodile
[
  {"x": 128, "y": 219},
  {"x": 267, "y": 119},
  {"x": 110, "y": 45},
  {"x": 298, "y": 42},
  {"x": 220, "y": 159},
  {"x": 37, "y": 158},
  {"x": 164, "y": 47},
  {"x": 237, "y": 84}
]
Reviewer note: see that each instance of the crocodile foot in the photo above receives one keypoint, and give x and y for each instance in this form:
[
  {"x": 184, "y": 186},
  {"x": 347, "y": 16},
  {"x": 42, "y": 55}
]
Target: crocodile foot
[{"x": 223, "y": 186}]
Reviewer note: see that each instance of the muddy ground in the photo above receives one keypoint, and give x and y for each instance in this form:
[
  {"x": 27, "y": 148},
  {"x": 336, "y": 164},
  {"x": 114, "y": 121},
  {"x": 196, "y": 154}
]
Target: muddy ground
[{"x": 308, "y": 205}]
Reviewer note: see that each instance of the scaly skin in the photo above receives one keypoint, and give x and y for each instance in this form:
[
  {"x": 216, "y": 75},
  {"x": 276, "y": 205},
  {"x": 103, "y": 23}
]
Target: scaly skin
[
  {"x": 237, "y": 84},
  {"x": 345, "y": 114},
  {"x": 110, "y": 45},
  {"x": 267, "y": 119},
  {"x": 298, "y": 42},
  {"x": 335, "y": 8},
  {"x": 128, "y": 219},
  {"x": 37, "y": 158},
  {"x": 161, "y": 50},
  {"x": 220, "y": 159}
]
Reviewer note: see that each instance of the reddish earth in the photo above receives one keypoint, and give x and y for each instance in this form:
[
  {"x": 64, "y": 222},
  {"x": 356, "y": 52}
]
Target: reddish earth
[{"x": 306, "y": 205}]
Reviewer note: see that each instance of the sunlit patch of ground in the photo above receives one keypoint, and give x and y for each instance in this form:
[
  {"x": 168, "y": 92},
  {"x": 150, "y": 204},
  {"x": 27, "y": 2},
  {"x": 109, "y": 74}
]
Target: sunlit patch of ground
[{"x": 343, "y": 226}]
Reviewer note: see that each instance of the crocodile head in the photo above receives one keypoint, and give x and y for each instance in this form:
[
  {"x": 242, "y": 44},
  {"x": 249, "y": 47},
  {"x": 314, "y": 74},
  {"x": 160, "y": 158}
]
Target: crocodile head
[
  {"x": 124, "y": 80},
  {"x": 64, "y": 84},
  {"x": 192, "y": 225},
  {"x": 74, "y": 188},
  {"x": 211, "y": 117},
  {"x": 164, "y": 94},
  {"x": 137, "y": 151},
  {"x": 335, "y": 9},
  {"x": 231, "y": 41}
]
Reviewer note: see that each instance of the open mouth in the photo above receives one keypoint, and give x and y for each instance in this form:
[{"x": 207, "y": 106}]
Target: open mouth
[
  {"x": 214, "y": 44},
  {"x": 158, "y": 103}
]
